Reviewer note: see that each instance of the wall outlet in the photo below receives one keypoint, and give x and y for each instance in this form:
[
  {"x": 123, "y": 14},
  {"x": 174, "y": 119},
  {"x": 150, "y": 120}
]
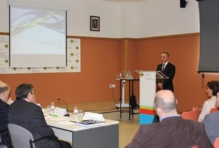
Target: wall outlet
[{"x": 112, "y": 85}]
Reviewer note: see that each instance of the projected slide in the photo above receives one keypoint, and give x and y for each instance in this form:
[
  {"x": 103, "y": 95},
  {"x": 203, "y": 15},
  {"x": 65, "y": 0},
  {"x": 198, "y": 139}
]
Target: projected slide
[{"x": 37, "y": 37}]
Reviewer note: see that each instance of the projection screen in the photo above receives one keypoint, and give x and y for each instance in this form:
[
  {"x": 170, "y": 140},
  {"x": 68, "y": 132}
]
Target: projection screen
[
  {"x": 37, "y": 37},
  {"x": 209, "y": 34}
]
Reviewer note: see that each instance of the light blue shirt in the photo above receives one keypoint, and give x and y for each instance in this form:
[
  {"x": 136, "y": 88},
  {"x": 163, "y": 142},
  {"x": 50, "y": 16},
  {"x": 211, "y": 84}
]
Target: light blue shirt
[{"x": 169, "y": 117}]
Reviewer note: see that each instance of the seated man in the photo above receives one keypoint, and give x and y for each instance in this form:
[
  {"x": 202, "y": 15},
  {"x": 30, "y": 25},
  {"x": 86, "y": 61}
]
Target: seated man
[
  {"x": 4, "y": 93},
  {"x": 211, "y": 122},
  {"x": 172, "y": 131},
  {"x": 26, "y": 113}
]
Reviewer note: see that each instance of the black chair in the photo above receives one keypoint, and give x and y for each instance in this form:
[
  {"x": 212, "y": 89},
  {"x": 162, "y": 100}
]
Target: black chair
[
  {"x": 2, "y": 145},
  {"x": 133, "y": 104}
]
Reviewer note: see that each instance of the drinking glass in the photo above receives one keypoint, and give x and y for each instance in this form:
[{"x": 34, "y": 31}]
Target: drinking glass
[
  {"x": 80, "y": 115},
  {"x": 48, "y": 108}
]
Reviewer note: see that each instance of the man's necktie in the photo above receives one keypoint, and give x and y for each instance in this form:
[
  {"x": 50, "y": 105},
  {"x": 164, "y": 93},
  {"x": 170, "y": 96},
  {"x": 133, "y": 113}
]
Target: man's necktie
[{"x": 163, "y": 66}]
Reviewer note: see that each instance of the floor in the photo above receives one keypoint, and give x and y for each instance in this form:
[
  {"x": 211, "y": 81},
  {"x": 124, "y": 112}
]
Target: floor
[{"x": 127, "y": 129}]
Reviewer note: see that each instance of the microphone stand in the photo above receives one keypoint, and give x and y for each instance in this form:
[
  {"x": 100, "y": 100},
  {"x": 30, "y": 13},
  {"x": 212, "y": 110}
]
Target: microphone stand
[{"x": 60, "y": 100}]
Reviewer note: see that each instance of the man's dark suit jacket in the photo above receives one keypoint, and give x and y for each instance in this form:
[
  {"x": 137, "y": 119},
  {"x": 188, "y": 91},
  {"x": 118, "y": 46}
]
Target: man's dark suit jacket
[
  {"x": 6, "y": 140},
  {"x": 171, "y": 132},
  {"x": 211, "y": 122},
  {"x": 30, "y": 116},
  {"x": 170, "y": 72}
]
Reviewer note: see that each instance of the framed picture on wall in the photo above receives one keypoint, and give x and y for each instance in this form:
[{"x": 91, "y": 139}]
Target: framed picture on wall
[{"x": 94, "y": 23}]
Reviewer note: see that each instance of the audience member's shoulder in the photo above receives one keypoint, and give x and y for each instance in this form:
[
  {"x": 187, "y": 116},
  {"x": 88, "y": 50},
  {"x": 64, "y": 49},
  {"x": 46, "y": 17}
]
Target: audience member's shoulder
[
  {"x": 208, "y": 102},
  {"x": 192, "y": 122},
  {"x": 35, "y": 105},
  {"x": 3, "y": 104},
  {"x": 213, "y": 115},
  {"x": 171, "y": 64},
  {"x": 30, "y": 104},
  {"x": 196, "y": 124}
]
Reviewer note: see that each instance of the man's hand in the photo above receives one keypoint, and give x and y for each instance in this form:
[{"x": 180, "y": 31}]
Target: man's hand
[{"x": 160, "y": 85}]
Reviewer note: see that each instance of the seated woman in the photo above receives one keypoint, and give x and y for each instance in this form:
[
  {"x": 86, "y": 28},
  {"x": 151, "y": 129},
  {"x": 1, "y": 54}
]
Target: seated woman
[{"x": 210, "y": 103}]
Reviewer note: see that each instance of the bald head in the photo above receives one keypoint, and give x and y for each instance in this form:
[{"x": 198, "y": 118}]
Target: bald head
[
  {"x": 4, "y": 91},
  {"x": 166, "y": 102},
  {"x": 3, "y": 87}
]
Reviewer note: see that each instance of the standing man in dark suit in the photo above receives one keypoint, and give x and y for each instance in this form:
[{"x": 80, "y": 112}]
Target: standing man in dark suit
[
  {"x": 4, "y": 93},
  {"x": 169, "y": 70},
  {"x": 211, "y": 122},
  {"x": 172, "y": 131},
  {"x": 26, "y": 113}
]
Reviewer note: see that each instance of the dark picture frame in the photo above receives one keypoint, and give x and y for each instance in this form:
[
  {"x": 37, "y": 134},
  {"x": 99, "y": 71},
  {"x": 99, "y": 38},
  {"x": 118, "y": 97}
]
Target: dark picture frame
[{"x": 94, "y": 23}]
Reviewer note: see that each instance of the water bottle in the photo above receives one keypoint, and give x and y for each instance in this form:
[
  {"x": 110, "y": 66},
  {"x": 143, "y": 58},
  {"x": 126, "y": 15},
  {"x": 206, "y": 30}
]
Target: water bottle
[
  {"x": 120, "y": 76},
  {"x": 52, "y": 108},
  {"x": 75, "y": 113}
]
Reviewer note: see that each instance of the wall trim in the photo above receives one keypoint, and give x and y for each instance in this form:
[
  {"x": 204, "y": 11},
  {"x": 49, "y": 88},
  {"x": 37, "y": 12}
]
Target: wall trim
[{"x": 156, "y": 37}]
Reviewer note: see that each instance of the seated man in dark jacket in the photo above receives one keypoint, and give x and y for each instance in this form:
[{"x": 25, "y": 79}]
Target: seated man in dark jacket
[
  {"x": 172, "y": 131},
  {"x": 4, "y": 93},
  {"x": 26, "y": 113}
]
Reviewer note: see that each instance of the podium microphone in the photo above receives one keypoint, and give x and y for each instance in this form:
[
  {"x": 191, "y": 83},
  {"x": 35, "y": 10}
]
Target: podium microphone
[{"x": 60, "y": 100}]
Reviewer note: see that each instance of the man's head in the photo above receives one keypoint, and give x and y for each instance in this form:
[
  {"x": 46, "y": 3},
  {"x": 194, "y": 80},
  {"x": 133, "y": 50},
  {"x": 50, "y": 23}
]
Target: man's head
[
  {"x": 4, "y": 91},
  {"x": 212, "y": 88},
  {"x": 217, "y": 100},
  {"x": 165, "y": 103},
  {"x": 216, "y": 91},
  {"x": 164, "y": 57},
  {"x": 25, "y": 91}
]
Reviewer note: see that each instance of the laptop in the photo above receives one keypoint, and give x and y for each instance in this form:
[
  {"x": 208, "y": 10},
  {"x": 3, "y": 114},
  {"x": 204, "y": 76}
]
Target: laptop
[{"x": 127, "y": 75}]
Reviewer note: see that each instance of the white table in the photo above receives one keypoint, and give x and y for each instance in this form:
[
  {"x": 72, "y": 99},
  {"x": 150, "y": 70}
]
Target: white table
[{"x": 104, "y": 135}]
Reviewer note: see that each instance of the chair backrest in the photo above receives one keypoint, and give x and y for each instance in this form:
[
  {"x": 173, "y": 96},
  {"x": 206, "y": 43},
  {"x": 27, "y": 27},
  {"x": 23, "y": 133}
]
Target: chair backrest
[
  {"x": 216, "y": 143},
  {"x": 191, "y": 115},
  {"x": 20, "y": 136},
  {"x": 213, "y": 110}
]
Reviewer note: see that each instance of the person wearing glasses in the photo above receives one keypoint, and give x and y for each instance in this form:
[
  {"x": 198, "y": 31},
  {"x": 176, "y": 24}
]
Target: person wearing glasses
[{"x": 26, "y": 113}]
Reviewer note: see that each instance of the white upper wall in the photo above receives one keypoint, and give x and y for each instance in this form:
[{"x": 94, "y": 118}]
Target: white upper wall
[
  {"x": 129, "y": 20},
  {"x": 119, "y": 18},
  {"x": 165, "y": 17},
  {"x": 79, "y": 18}
]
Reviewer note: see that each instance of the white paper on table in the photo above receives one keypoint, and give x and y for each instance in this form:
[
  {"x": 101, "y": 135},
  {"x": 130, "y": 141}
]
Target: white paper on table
[
  {"x": 47, "y": 116},
  {"x": 59, "y": 118},
  {"x": 60, "y": 111},
  {"x": 93, "y": 116},
  {"x": 65, "y": 122}
]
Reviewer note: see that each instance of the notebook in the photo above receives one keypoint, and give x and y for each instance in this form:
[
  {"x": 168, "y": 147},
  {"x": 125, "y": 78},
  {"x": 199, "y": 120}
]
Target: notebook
[{"x": 127, "y": 75}]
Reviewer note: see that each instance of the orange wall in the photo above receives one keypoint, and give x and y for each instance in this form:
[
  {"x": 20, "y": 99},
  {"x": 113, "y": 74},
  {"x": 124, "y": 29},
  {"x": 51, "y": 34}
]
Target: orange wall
[
  {"x": 102, "y": 59},
  {"x": 99, "y": 66},
  {"x": 184, "y": 53}
]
